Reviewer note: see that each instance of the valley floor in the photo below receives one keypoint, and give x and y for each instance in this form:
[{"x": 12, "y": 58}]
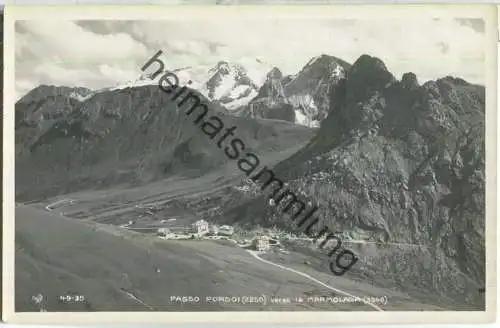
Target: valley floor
[
  {"x": 58, "y": 256},
  {"x": 72, "y": 246}
]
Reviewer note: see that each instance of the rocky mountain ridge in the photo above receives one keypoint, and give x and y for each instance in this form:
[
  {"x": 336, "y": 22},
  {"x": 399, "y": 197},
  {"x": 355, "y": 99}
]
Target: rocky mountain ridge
[
  {"x": 302, "y": 98},
  {"x": 123, "y": 136},
  {"x": 396, "y": 163},
  {"x": 230, "y": 84},
  {"x": 257, "y": 90}
]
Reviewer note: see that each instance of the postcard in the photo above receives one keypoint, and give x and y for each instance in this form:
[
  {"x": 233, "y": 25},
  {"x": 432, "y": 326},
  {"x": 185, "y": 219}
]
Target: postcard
[{"x": 250, "y": 164}]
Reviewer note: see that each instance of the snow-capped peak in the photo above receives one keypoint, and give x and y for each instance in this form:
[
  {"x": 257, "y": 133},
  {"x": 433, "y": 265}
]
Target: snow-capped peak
[
  {"x": 231, "y": 83},
  {"x": 224, "y": 78}
]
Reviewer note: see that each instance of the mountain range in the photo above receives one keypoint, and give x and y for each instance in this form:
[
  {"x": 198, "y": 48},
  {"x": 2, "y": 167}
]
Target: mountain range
[
  {"x": 230, "y": 84},
  {"x": 385, "y": 160},
  {"x": 256, "y": 89}
]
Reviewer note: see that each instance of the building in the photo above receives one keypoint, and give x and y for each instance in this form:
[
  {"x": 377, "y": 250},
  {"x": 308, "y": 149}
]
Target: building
[
  {"x": 226, "y": 230},
  {"x": 261, "y": 244},
  {"x": 201, "y": 227},
  {"x": 163, "y": 232},
  {"x": 214, "y": 230},
  {"x": 180, "y": 229}
]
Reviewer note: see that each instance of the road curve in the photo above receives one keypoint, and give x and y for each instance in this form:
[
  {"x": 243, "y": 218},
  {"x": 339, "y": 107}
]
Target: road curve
[{"x": 254, "y": 254}]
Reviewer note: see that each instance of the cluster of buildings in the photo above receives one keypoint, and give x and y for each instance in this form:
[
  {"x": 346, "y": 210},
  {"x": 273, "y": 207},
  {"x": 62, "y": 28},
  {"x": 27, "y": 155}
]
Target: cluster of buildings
[
  {"x": 202, "y": 228},
  {"x": 199, "y": 228}
]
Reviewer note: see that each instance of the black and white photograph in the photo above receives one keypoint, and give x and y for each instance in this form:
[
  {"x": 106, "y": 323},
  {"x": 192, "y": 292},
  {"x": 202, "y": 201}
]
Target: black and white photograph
[{"x": 300, "y": 160}]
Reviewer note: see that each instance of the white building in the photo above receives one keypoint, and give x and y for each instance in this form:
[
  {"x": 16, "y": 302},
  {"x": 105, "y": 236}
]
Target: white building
[
  {"x": 163, "y": 232},
  {"x": 201, "y": 227},
  {"x": 261, "y": 244}
]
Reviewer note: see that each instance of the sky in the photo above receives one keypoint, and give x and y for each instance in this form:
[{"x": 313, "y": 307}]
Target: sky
[{"x": 98, "y": 54}]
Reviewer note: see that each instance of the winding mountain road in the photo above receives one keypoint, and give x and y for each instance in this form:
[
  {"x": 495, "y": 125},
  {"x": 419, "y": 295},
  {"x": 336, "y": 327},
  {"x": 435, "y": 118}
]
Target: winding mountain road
[{"x": 56, "y": 255}]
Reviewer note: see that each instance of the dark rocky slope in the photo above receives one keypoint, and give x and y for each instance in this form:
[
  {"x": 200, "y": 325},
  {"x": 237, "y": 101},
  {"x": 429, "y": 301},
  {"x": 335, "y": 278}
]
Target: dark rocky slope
[
  {"x": 302, "y": 98},
  {"x": 270, "y": 102},
  {"x": 397, "y": 162}
]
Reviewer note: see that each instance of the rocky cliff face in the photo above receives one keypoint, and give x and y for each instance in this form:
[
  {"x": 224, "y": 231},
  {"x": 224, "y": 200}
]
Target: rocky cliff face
[
  {"x": 401, "y": 164},
  {"x": 271, "y": 102},
  {"x": 273, "y": 87},
  {"x": 302, "y": 98}
]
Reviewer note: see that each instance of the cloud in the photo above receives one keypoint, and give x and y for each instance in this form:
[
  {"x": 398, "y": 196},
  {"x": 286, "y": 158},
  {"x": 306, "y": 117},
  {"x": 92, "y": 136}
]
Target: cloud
[
  {"x": 67, "y": 42},
  {"x": 98, "y": 54},
  {"x": 63, "y": 53},
  {"x": 404, "y": 45}
]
